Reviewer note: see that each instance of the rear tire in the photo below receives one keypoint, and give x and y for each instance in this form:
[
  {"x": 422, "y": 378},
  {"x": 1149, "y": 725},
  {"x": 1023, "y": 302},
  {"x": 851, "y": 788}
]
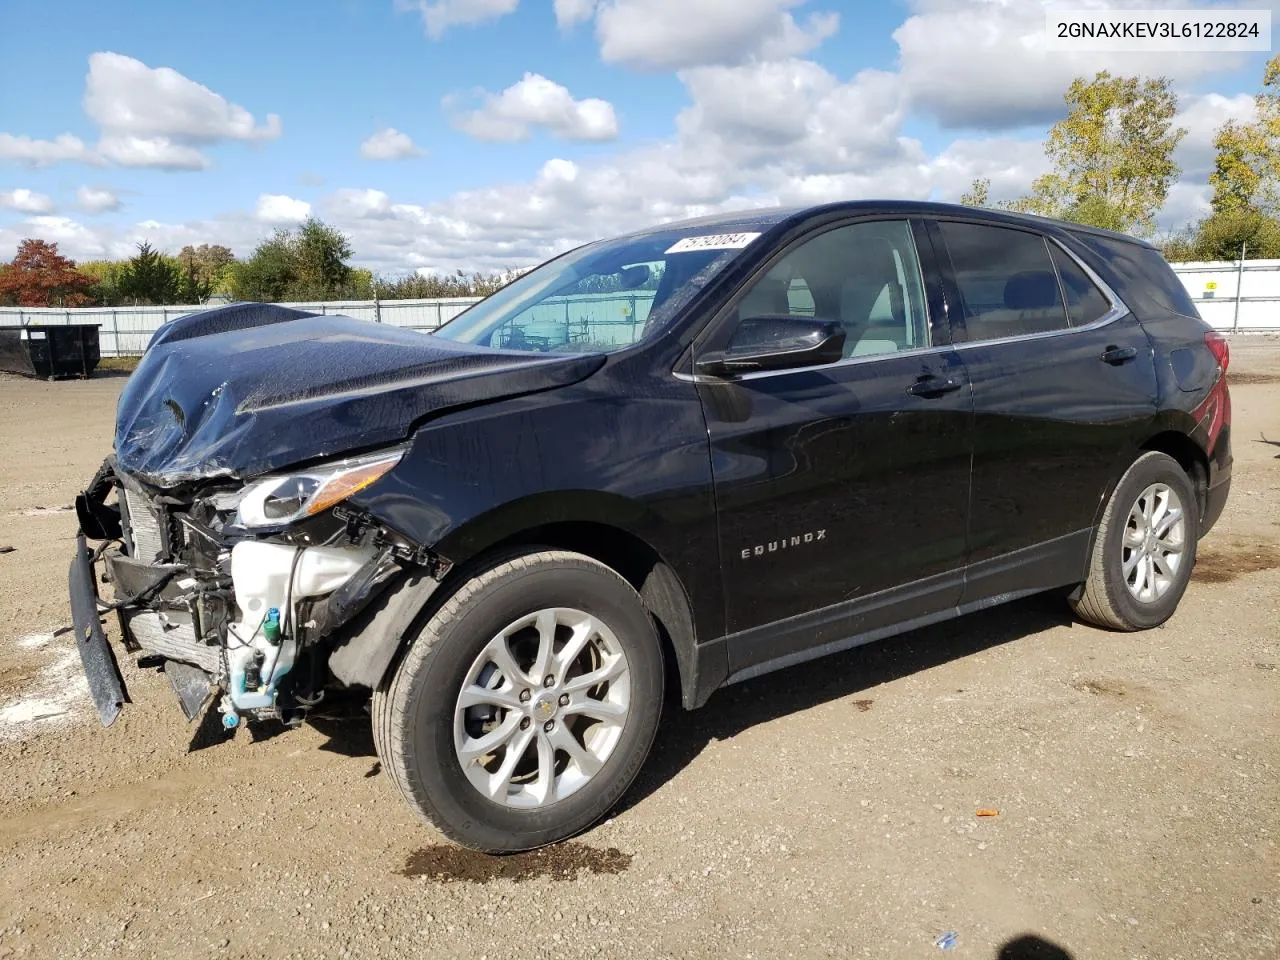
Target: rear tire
[
  {"x": 1145, "y": 548},
  {"x": 526, "y": 704}
]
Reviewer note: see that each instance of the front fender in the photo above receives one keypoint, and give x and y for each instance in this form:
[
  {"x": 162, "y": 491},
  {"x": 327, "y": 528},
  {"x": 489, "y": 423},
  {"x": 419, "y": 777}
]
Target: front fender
[{"x": 576, "y": 455}]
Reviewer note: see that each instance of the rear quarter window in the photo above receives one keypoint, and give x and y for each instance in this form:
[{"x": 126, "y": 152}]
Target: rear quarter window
[{"x": 1147, "y": 283}]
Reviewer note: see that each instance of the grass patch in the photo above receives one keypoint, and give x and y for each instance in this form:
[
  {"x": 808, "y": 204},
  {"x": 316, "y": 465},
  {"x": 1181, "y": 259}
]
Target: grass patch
[{"x": 125, "y": 364}]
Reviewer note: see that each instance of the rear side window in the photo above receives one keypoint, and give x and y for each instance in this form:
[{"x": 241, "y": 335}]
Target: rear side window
[
  {"x": 1007, "y": 282},
  {"x": 1085, "y": 302},
  {"x": 1146, "y": 282}
]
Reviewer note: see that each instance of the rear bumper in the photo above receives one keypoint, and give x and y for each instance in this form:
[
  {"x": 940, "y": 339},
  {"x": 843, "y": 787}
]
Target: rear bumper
[
  {"x": 1214, "y": 502},
  {"x": 1219, "y": 481},
  {"x": 106, "y": 685}
]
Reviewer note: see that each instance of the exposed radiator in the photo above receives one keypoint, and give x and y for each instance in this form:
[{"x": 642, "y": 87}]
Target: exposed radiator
[
  {"x": 174, "y": 640},
  {"x": 144, "y": 533}
]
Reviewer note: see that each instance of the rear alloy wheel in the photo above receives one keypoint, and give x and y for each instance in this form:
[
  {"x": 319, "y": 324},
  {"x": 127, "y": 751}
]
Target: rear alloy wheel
[
  {"x": 1145, "y": 548},
  {"x": 526, "y": 704},
  {"x": 1153, "y": 543}
]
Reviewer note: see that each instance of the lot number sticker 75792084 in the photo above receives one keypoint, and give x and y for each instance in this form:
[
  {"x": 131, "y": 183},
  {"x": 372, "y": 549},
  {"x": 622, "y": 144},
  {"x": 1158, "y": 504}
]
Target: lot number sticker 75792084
[{"x": 718, "y": 241}]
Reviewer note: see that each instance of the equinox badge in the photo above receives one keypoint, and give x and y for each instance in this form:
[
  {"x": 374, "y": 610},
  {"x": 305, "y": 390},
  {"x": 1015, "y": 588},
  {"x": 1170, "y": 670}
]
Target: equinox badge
[{"x": 786, "y": 543}]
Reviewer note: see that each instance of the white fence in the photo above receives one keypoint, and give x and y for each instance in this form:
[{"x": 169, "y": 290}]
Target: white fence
[
  {"x": 125, "y": 330},
  {"x": 1235, "y": 299}
]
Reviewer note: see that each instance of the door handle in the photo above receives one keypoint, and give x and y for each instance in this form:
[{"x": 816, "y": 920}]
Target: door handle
[
  {"x": 1118, "y": 355},
  {"x": 931, "y": 386}
]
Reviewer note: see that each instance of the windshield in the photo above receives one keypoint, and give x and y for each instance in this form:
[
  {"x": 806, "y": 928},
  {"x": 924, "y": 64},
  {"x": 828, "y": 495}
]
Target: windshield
[{"x": 601, "y": 297}]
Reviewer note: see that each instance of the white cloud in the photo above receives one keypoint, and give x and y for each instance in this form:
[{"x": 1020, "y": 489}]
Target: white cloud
[
  {"x": 671, "y": 34},
  {"x": 389, "y": 144},
  {"x": 25, "y": 201},
  {"x": 795, "y": 113},
  {"x": 73, "y": 238},
  {"x": 97, "y": 199},
  {"x": 1188, "y": 201},
  {"x": 535, "y": 101},
  {"x": 42, "y": 153},
  {"x": 439, "y": 15},
  {"x": 125, "y": 97},
  {"x": 1201, "y": 117},
  {"x": 985, "y": 63},
  {"x": 146, "y": 117},
  {"x": 279, "y": 208},
  {"x": 569, "y": 12},
  {"x": 159, "y": 152}
]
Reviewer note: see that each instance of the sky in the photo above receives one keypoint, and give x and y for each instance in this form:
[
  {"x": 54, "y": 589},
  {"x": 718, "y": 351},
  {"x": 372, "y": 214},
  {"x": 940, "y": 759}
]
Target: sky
[{"x": 493, "y": 134}]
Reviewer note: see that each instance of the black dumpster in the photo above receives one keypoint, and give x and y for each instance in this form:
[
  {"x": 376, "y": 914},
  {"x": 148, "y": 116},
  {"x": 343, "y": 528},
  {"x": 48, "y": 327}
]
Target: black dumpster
[{"x": 50, "y": 351}]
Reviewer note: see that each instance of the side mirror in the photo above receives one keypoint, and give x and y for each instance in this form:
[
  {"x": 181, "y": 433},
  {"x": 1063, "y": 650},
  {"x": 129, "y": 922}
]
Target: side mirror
[{"x": 777, "y": 343}]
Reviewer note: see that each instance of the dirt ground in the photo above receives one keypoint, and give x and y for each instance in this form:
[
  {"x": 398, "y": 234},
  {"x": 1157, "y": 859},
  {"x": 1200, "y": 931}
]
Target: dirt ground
[{"x": 829, "y": 810}]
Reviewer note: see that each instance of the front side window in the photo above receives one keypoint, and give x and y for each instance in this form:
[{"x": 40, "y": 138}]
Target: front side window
[
  {"x": 1008, "y": 284},
  {"x": 865, "y": 276},
  {"x": 601, "y": 297}
]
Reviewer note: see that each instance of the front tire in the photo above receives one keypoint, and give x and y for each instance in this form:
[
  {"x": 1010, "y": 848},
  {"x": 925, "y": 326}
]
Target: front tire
[
  {"x": 1145, "y": 548},
  {"x": 526, "y": 704}
]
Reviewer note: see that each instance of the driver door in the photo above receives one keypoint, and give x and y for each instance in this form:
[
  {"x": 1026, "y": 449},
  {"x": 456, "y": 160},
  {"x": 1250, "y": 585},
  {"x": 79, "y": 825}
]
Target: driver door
[{"x": 842, "y": 490}]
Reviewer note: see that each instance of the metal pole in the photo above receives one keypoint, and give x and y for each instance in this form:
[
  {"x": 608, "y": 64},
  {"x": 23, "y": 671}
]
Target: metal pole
[
  {"x": 377, "y": 307},
  {"x": 1235, "y": 322},
  {"x": 115, "y": 331}
]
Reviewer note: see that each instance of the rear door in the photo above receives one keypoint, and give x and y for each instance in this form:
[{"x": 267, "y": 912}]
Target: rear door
[
  {"x": 842, "y": 490},
  {"x": 1063, "y": 383}
]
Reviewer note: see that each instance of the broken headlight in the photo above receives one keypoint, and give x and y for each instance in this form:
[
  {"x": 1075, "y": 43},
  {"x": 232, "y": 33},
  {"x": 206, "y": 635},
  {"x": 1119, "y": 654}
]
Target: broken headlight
[{"x": 280, "y": 500}]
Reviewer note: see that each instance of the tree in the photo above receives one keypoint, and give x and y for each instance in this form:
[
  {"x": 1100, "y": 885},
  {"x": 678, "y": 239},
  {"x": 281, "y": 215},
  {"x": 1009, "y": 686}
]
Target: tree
[
  {"x": 1246, "y": 186},
  {"x": 107, "y": 276},
  {"x": 150, "y": 277},
  {"x": 416, "y": 286},
  {"x": 978, "y": 193},
  {"x": 1112, "y": 154},
  {"x": 1246, "y": 169},
  {"x": 39, "y": 276},
  {"x": 204, "y": 270},
  {"x": 309, "y": 264},
  {"x": 268, "y": 274},
  {"x": 321, "y": 253}
]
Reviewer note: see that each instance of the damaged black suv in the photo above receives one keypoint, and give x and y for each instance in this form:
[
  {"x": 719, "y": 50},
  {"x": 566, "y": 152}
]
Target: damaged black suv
[{"x": 686, "y": 457}]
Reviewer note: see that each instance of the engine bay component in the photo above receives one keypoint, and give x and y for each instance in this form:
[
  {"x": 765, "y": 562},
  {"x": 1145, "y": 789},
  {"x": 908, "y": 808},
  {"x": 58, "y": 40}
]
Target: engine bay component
[{"x": 270, "y": 581}]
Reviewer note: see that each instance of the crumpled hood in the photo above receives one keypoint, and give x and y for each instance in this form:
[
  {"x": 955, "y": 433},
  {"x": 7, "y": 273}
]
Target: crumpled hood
[{"x": 244, "y": 390}]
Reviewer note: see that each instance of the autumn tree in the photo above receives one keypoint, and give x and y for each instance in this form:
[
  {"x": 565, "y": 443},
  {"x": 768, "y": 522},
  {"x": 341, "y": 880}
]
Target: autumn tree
[
  {"x": 39, "y": 276},
  {"x": 978, "y": 193},
  {"x": 1112, "y": 155}
]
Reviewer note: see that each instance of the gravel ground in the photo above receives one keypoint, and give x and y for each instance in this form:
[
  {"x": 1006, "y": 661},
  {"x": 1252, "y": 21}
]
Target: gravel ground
[{"x": 828, "y": 810}]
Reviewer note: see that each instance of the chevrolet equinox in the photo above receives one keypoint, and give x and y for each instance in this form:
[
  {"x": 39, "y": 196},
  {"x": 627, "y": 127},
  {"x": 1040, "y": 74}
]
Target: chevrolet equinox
[{"x": 690, "y": 455}]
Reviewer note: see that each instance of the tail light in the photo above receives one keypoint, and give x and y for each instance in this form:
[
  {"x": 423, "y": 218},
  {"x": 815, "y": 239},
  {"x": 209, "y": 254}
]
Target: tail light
[{"x": 1217, "y": 345}]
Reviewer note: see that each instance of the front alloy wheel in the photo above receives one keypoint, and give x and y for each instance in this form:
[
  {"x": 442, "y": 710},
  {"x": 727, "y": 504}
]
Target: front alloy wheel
[
  {"x": 542, "y": 708},
  {"x": 525, "y": 704}
]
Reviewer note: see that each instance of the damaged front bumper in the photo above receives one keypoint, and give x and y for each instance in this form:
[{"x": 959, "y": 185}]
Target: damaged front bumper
[
  {"x": 268, "y": 620},
  {"x": 106, "y": 685}
]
